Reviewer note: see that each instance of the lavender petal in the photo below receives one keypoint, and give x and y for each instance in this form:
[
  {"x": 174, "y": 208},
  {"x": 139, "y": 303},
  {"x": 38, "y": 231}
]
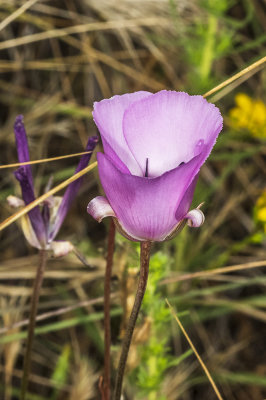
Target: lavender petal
[
  {"x": 170, "y": 128},
  {"x": 147, "y": 209},
  {"x": 28, "y": 196},
  {"x": 108, "y": 116},
  {"x": 72, "y": 189},
  {"x": 22, "y": 146}
]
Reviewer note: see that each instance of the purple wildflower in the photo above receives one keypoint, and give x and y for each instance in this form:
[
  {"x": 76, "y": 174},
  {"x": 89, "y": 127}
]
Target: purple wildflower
[
  {"x": 154, "y": 146},
  {"x": 40, "y": 227}
]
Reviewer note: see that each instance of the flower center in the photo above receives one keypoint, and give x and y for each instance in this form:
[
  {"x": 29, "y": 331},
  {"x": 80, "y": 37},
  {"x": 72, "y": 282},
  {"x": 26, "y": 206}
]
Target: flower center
[{"x": 147, "y": 168}]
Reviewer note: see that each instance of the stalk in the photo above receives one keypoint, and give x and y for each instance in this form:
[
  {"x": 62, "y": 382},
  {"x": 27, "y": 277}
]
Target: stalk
[
  {"x": 144, "y": 272},
  {"x": 106, "y": 392},
  {"x": 33, "y": 311}
]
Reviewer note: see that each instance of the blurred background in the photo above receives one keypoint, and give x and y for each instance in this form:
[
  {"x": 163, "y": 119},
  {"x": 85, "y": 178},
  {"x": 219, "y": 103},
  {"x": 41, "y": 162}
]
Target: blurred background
[{"x": 56, "y": 59}]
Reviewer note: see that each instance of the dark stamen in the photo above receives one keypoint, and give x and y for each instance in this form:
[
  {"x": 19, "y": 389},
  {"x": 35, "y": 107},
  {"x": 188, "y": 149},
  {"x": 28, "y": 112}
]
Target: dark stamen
[{"x": 147, "y": 168}]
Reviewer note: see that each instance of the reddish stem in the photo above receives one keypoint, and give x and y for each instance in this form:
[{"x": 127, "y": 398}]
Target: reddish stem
[
  {"x": 33, "y": 311},
  {"x": 143, "y": 278},
  {"x": 106, "y": 392}
]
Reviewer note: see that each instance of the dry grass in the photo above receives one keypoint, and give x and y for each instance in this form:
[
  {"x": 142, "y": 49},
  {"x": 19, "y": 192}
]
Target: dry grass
[{"x": 56, "y": 58}]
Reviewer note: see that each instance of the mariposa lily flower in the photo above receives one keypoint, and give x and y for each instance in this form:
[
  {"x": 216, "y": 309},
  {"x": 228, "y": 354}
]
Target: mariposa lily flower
[
  {"x": 154, "y": 146},
  {"x": 41, "y": 225}
]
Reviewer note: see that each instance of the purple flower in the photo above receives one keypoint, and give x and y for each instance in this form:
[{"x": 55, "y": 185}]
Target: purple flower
[
  {"x": 42, "y": 224},
  {"x": 154, "y": 146}
]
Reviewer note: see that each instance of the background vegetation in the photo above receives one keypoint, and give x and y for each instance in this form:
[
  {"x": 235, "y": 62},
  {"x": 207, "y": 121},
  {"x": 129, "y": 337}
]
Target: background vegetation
[{"x": 56, "y": 58}]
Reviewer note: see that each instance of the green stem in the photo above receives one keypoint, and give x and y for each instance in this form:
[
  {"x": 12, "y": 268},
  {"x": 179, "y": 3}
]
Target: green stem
[
  {"x": 208, "y": 51},
  {"x": 144, "y": 272},
  {"x": 33, "y": 311}
]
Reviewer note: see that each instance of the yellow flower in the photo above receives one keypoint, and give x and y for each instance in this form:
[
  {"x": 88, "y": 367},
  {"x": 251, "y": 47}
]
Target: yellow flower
[
  {"x": 249, "y": 114},
  {"x": 260, "y": 210}
]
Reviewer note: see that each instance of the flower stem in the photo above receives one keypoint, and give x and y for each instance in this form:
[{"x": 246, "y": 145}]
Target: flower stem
[
  {"x": 144, "y": 271},
  {"x": 33, "y": 311},
  {"x": 107, "y": 324}
]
